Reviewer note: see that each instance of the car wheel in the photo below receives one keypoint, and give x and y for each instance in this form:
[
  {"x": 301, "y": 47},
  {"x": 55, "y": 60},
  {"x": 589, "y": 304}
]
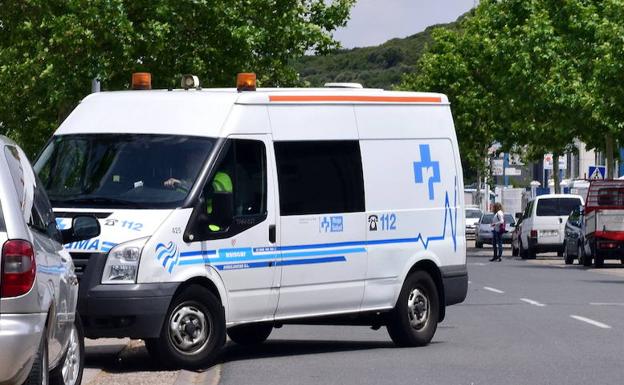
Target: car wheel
[
  {"x": 414, "y": 319},
  {"x": 193, "y": 332},
  {"x": 252, "y": 334},
  {"x": 39, "y": 371},
  {"x": 531, "y": 254},
  {"x": 587, "y": 260},
  {"x": 567, "y": 258},
  {"x": 598, "y": 261},
  {"x": 523, "y": 252},
  {"x": 69, "y": 371},
  {"x": 479, "y": 245}
]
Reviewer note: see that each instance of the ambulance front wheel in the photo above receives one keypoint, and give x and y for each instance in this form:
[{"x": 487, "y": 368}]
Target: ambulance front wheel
[
  {"x": 414, "y": 319},
  {"x": 252, "y": 334},
  {"x": 193, "y": 331}
]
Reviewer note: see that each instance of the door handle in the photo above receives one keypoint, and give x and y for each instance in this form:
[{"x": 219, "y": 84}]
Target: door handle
[{"x": 272, "y": 234}]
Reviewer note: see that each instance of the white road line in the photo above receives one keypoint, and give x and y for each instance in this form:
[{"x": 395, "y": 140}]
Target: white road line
[
  {"x": 607, "y": 303},
  {"x": 493, "y": 290},
  {"x": 532, "y": 302},
  {"x": 591, "y": 321}
]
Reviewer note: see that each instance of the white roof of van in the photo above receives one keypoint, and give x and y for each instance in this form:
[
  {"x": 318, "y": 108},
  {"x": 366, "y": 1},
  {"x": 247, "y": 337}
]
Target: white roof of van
[{"x": 203, "y": 112}]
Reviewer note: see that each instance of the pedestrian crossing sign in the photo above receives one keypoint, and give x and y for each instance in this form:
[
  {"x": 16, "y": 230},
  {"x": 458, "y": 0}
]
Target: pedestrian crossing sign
[{"x": 597, "y": 172}]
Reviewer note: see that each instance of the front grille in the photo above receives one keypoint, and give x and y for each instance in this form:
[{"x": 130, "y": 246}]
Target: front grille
[{"x": 81, "y": 260}]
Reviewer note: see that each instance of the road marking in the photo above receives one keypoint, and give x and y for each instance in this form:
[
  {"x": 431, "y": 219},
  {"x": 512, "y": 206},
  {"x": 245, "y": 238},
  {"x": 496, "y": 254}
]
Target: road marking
[
  {"x": 478, "y": 264},
  {"x": 607, "y": 303},
  {"x": 532, "y": 302},
  {"x": 591, "y": 322},
  {"x": 493, "y": 290}
]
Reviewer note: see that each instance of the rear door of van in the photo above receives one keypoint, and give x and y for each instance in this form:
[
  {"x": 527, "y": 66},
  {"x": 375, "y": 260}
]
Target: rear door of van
[{"x": 551, "y": 215}]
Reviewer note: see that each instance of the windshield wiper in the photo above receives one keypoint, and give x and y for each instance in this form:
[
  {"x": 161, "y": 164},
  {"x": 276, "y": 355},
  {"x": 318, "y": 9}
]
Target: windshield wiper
[{"x": 98, "y": 201}]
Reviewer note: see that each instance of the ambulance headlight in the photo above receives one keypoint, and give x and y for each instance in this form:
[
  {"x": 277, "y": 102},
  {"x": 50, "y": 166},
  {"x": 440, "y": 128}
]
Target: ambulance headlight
[{"x": 122, "y": 263}]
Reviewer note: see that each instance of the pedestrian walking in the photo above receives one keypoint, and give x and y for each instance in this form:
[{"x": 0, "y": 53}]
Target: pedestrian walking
[{"x": 498, "y": 229}]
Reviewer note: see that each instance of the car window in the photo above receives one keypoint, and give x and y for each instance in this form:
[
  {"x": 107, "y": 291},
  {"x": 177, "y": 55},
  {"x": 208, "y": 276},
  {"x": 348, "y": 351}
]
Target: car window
[
  {"x": 527, "y": 210},
  {"x": 553, "y": 207},
  {"x": 567, "y": 205},
  {"x": 575, "y": 215},
  {"x": 121, "y": 170},
  {"x": 473, "y": 213},
  {"x": 486, "y": 219},
  {"x": 509, "y": 218},
  {"x": 319, "y": 177},
  {"x": 2, "y": 226}
]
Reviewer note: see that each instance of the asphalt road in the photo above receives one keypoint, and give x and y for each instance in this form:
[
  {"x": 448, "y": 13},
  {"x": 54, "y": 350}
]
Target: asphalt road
[{"x": 524, "y": 322}]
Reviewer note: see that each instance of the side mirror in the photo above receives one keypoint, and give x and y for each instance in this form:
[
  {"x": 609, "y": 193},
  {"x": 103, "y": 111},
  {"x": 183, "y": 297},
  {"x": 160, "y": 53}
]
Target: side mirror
[
  {"x": 518, "y": 215},
  {"x": 222, "y": 209},
  {"x": 83, "y": 227}
]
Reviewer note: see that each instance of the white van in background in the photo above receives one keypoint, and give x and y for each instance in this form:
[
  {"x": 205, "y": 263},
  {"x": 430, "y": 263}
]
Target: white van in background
[
  {"x": 240, "y": 210},
  {"x": 543, "y": 224}
]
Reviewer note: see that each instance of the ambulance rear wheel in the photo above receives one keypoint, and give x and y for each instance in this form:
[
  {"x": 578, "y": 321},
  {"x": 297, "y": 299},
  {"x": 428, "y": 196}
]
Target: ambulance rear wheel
[
  {"x": 252, "y": 334},
  {"x": 193, "y": 332},
  {"x": 414, "y": 319}
]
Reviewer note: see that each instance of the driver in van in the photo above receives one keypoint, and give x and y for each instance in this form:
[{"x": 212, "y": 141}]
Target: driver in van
[{"x": 184, "y": 184}]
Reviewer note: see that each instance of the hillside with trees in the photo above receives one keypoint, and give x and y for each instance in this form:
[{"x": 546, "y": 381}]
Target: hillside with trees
[{"x": 379, "y": 66}]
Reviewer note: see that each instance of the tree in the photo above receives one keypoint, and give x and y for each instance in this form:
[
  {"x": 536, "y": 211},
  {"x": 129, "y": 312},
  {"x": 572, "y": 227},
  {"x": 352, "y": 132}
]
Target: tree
[
  {"x": 450, "y": 66},
  {"x": 51, "y": 49}
]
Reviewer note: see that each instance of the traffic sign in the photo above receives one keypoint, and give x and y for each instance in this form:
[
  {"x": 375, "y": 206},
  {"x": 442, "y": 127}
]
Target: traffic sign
[{"x": 597, "y": 172}]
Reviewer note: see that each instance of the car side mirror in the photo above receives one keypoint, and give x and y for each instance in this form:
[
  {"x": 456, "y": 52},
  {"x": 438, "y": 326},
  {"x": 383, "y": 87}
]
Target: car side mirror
[
  {"x": 518, "y": 215},
  {"x": 222, "y": 209},
  {"x": 210, "y": 217},
  {"x": 83, "y": 227}
]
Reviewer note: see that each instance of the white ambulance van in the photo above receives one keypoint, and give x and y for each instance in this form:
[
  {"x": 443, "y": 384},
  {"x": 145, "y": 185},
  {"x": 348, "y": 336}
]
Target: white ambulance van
[{"x": 234, "y": 211}]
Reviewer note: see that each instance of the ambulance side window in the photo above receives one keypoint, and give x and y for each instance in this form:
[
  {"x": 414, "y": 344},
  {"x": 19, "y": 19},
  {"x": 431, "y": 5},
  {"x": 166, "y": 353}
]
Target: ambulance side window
[
  {"x": 320, "y": 177},
  {"x": 241, "y": 173}
]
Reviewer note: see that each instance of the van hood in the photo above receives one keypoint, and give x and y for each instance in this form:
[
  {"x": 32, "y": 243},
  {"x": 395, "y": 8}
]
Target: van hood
[{"x": 117, "y": 226}]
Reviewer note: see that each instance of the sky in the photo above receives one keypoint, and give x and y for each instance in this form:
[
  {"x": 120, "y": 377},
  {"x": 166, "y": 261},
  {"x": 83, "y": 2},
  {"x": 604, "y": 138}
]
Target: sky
[{"x": 373, "y": 22}]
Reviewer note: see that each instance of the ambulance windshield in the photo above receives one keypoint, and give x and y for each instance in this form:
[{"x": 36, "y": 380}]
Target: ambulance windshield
[{"x": 121, "y": 170}]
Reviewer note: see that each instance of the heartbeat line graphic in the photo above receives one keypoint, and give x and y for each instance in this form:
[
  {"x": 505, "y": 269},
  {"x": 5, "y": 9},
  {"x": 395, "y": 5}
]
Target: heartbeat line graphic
[{"x": 450, "y": 218}]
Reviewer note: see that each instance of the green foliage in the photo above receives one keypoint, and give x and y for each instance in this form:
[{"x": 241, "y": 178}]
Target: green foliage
[
  {"x": 51, "y": 49},
  {"x": 530, "y": 74},
  {"x": 376, "y": 67}
]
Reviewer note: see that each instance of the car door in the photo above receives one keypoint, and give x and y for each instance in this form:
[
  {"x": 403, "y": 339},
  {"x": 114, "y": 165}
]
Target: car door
[
  {"x": 246, "y": 253},
  {"x": 527, "y": 224},
  {"x": 323, "y": 227},
  {"x": 54, "y": 267}
]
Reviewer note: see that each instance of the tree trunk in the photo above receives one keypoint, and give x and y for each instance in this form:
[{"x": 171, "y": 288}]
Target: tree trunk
[
  {"x": 555, "y": 160},
  {"x": 609, "y": 155},
  {"x": 478, "y": 200}
]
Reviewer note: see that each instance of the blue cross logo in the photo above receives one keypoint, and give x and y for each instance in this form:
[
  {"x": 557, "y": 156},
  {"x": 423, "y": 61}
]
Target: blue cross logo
[{"x": 426, "y": 163}]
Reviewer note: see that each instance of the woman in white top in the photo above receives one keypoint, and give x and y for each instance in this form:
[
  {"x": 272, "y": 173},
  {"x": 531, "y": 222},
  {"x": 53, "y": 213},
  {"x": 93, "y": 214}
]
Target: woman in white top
[{"x": 498, "y": 228}]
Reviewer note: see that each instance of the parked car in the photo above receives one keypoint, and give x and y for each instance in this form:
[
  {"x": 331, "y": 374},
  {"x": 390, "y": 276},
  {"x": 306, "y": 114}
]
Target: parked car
[
  {"x": 40, "y": 333},
  {"x": 574, "y": 237},
  {"x": 543, "y": 223},
  {"x": 515, "y": 237},
  {"x": 484, "y": 235},
  {"x": 473, "y": 214}
]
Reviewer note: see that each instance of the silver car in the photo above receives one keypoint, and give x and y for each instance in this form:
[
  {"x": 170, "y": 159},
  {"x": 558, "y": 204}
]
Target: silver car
[
  {"x": 41, "y": 337},
  {"x": 484, "y": 229}
]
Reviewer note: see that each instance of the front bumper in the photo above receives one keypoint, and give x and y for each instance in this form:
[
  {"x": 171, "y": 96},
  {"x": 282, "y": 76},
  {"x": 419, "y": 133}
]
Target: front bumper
[
  {"x": 117, "y": 311},
  {"x": 20, "y": 336}
]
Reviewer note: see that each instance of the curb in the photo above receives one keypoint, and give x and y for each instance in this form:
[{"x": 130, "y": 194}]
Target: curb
[{"x": 211, "y": 376}]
